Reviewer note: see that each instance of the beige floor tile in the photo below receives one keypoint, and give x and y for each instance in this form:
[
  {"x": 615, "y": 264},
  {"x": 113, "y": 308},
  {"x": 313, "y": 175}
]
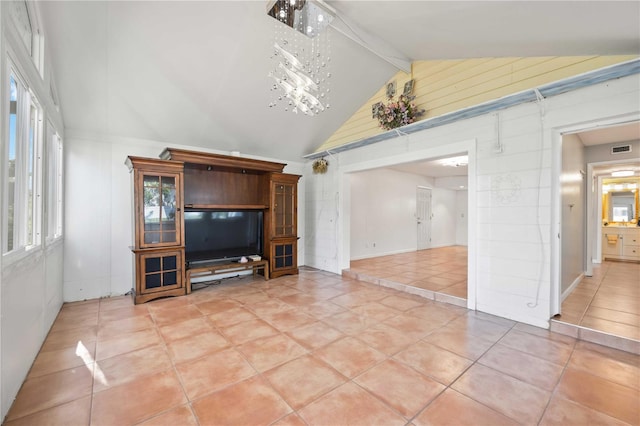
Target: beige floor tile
[
  {"x": 459, "y": 342},
  {"x": 251, "y": 402},
  {"x": 435, "y": 362},
  {"x": 376, "y": 311},
  {"x": 349, "y": 356},
  {"x": 349, "y": 322},
  {"x": 217, "y": 306},
  {"x": 288, "y": 320},
  {"x": 213, "y": 372},
  {"x": 76, "y": 412},
  {"x": 623, "y": 369},
  {"x": 179, "y": 416},
  {"x": 515, "y": 399},
  {"x": 523, "y": 366},
  {"x": 248, "y": 330},
  {"x": 400, "y": 387},
  {"x": 562, "y": 412},
  {"x": 350, "y": 405},
  {"x": 315, "y": 335},
  {"x": 269, "y": 352},
  {"x": 386, "y": 339},
  {"x": 454, "y": 409},
  {"x": 175, "y": 315},
  {"x": 138, "y": 400},
  {"x": 290, "y": 420},
  {"x": 196, "y": 346},
  {"x": 123, "y": 312},
  {"x": 182, "y": 329},
  {"x": 63, "y": 359},
  {"x": 115, "y": 328},
  {"x": 57, "y": 340},
  {"x": 547, "y": 349},
  {"x": 127, "y": 343},
  {"x": 130, "y": 366},
  {"x": 232, "y": 316},
  {"x": 303, "y": 380},
  {"x": 40, "y": 393},
  {"x": 601, "y": 395}
]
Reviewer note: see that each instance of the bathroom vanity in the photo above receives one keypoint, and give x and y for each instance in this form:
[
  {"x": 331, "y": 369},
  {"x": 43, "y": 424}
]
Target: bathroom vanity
[{"x": 621, "y": 242}]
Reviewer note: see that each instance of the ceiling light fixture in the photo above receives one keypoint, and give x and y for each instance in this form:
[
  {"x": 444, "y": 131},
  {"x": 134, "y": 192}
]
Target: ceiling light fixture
[
  {"x": 461, "y": 161},
  {"x": 301, "y": 57},
  {"x": 622, "y": 173}
]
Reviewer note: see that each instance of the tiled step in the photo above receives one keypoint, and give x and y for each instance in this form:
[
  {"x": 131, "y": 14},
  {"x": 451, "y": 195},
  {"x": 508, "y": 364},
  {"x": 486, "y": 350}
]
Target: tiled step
[
  {"x": 600, "y": 337},
  {"x": 427, "y": 294}
]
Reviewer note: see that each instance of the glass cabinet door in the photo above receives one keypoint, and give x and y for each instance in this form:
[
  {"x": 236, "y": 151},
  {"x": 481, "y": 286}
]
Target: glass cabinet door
[
  {"x": 284, "y": 210},
  {"x": 160, "y": 210}
]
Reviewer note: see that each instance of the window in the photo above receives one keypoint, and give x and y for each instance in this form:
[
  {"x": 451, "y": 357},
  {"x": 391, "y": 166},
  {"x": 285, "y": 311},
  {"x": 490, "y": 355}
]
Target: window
[
  {"x": 22, "y": 204},
  {"x": 54, "y": 184},
  {"x": 28, "y": 30}
]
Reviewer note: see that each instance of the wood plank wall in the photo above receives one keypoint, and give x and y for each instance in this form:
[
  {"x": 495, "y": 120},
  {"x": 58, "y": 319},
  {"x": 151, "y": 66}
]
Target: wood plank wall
[{"x": 441, "y": 87}]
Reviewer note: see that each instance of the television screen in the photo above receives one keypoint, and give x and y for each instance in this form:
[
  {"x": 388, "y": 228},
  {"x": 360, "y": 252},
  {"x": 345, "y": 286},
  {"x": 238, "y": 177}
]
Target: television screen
[{"x": 217, "y": 235}]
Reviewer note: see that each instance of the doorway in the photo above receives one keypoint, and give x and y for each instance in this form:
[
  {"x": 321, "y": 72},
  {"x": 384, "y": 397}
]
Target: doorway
[
  {"x": 604, "y": 295},
  {"x": 392, "y": 233},
  {"x": 423, "y": 217}
]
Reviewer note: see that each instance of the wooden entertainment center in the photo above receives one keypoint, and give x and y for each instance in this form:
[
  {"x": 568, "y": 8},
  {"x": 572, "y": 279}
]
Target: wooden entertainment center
[{"x": 179, "y": 181}]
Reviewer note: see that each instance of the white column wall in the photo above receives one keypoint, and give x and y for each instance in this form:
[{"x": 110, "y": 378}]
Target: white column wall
[
  {"x": 99, "y": 215},
  {"x": 573, "y": 206},
  {"x": 513, "y": 229}
]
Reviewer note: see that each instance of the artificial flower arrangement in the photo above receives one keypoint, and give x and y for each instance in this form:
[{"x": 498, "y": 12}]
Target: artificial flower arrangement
[{"x": 397, "y": 113}]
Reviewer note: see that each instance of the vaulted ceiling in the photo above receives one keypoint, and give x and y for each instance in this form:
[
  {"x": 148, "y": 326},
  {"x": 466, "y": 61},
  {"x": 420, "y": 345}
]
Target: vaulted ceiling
[{"x": 196, "y": 73}]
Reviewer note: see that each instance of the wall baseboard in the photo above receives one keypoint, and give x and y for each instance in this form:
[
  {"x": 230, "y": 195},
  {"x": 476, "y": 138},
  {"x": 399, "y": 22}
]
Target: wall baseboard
[
  {"x": 388, "y": 253},
  {"x": 572, "y": 287}
]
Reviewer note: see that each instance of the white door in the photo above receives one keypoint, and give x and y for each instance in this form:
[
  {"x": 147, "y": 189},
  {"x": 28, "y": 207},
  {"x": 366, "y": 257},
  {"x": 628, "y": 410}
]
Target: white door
[{"x": 423, "y": 217}]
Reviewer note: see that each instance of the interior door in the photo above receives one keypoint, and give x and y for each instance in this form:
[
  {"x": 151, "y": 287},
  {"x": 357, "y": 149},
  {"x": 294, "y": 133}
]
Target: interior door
[{"x": 423, "y": 217}]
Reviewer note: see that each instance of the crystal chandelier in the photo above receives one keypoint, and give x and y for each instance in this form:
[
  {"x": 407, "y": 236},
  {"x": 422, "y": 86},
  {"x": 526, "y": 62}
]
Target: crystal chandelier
[{"x": 301, "y": 58}]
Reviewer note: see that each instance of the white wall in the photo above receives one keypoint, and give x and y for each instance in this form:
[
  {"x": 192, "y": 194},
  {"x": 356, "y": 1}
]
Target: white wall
[
  {"x": 573, "y": 203},
  {"x": 383, "y": 213},
  {"x": 602, "y": 153},
  {"x": 98, "y": 262},
  {"x": 30, "y": 283},
  {"x": 443, "y": 223},
  {"x": 513, "y": 229}
]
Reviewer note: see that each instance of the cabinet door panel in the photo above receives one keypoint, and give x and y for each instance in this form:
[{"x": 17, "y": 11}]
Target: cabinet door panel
[
  {"x": 160, "y": 207},
  {"x": 284, "y": 205},
  {"x": 160, "y": 271}
]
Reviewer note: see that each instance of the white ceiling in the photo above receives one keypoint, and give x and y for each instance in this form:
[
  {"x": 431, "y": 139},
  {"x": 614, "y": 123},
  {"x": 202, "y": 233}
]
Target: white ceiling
[{"x": 195, "y": 73}]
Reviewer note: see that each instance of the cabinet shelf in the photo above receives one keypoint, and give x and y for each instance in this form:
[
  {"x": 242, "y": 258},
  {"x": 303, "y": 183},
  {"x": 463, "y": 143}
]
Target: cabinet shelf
[{"x": 187, "y": 207}]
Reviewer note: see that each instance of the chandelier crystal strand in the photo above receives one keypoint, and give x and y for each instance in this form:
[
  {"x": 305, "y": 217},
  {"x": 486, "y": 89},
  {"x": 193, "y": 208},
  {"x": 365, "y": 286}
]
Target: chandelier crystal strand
[{"x": 301, "y": 57}]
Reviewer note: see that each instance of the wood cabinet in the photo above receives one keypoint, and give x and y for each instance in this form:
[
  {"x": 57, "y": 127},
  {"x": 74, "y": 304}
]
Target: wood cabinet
[
  {"x": 281, "y": 237},
  {"x": 203, "y": 182},
  {"x": 158, "y": 228}
]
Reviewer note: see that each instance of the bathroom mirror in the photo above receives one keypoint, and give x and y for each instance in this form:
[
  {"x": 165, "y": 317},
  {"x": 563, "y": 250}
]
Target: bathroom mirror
[
  {"x": 620, "y": 200},
  {"x": 622, "y": 207}
]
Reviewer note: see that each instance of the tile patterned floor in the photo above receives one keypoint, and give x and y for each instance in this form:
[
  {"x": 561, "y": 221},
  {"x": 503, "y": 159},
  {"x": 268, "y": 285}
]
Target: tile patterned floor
[
  {"x": 316, "y": 349},
  {"x": 439, "y": 274},
  {"x": 608, "y": 301}
]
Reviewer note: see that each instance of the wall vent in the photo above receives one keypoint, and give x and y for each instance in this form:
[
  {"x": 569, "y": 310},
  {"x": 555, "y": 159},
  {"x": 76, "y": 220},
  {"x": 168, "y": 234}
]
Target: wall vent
[{"x": 620, "y": 149}]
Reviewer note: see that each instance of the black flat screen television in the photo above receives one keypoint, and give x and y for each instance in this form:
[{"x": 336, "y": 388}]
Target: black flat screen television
[{"x": 214, "y": 235}]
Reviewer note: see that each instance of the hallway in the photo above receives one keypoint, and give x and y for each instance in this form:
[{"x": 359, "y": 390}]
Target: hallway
[{"x": 608, "y": 301}]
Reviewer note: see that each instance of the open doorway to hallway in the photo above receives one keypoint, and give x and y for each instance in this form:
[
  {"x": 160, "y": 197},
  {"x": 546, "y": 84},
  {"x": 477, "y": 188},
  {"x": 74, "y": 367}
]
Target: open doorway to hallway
[
  {"x": 600, "y": 270},
  {"x": 388, "y": 217}
]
